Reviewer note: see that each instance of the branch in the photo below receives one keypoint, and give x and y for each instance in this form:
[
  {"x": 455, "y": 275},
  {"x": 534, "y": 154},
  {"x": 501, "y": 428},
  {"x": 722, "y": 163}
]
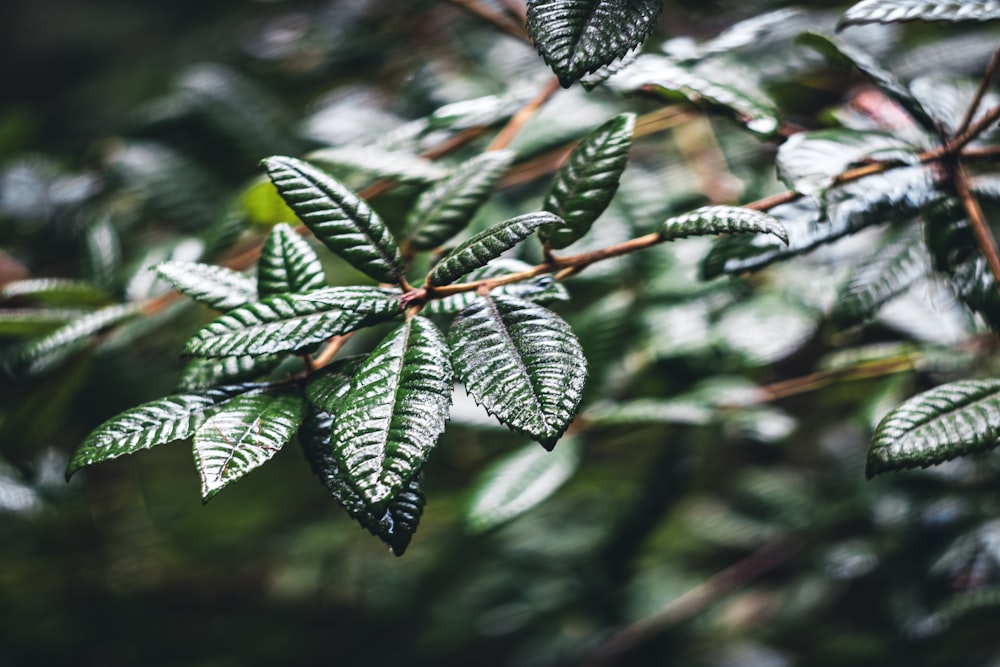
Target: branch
[
  {"x": 984, "y": 237},
  {"x": 523, "y": 115},
  {"x": 977, "y": 99},
  {"x": 498, "y": 19}
]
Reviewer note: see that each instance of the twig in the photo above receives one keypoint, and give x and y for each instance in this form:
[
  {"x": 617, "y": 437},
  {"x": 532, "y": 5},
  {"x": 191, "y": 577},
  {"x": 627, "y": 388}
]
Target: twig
[
  {"x": 984, "y": 85},
  {"x": 330, "y": 351},
  {"x": 976, "y": 218},
  {"x": 496, "y": 18},
  {"x": 523, "y": 115}
]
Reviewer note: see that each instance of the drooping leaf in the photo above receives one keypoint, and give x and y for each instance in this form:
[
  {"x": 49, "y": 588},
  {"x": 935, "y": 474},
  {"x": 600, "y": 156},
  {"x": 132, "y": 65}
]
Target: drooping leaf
[
  {"x": 338, "y": 217},
  {"x": 710, "y": 220},
  {"x": 379, "y": 163},
  {"x": 288, "y": 264},
  {"x": 145, "y": 282},
  {"x": 946, "y": 422},
  {"x": 215, "y": 286},
  {"x": 894, "y": 11},
  {"x": 56, "y": 291},
  {"x": 21, "y": 322},
  {"x": 579, "y": 36},
  {"x": 540, "y": 289},
  {"x": 43, "y": 353},
  {"x": 518, "y": 482},
  {"x": 292, "y": 321},
  {"x": 888, "y": 272},
  {"x": 448, "y": 207},
  {"x": 243, "y": 435},
  {"x": 154, "y": 423},
  {"x": 396, "y": 408},
  {"x": 200, "y": 373},
  {"x": 325, "y": 388},
  {"x": 585, "y": 185},
  {"x": 487, "y": 245},
  {"x": 399, "y": 522},
  {"x": 522, "y": 362}
]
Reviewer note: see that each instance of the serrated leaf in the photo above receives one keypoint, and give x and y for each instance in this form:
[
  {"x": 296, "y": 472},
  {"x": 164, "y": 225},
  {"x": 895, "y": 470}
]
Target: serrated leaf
[
  {"x": 449, "y": 206},
  {"x": 326, "y": 388},
  {"x": 338, "y": 217},
  {"x": 288, "y": 322},
  {"x": 200, "y": 374},
  {"x": 379, "y": 163},
  {"x": 288, "y": 264},
  {"x": 522, "y": 362},
  {"x": 399, "y": 522},
  {"x": 154, "y": 423},
  {"x": 895, "y": 11},
  {"x": 244, "y": 435},
  {"x": 56, "y": 291},
  {"x": 585, "y": 185},
  {"x": 215, "y": 286},
  {"x": 710, "y": 220},
  {"x": 102, "y": 252},
  {"x": 145, "y": 282},
  {"x": 394, "y": 412},
  {"x": 43, "y": 353},
  {"x": 580, "y": 36},
  {"x": 887, "y": 273},
  {"x": 540, "y": 289},
  {"x": 519, "y": 481},
  {"x": 487, "y": 245},
  {"x": 946, "y": 422}
]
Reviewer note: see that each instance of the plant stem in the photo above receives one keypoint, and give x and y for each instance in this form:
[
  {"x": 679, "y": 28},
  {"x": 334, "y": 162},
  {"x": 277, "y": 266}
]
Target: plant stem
[
  {"x": 977, "y": 99},
  {"x": 976, "y": 218},
  {"x": 496, "y": 18},
  {"x": 523, "y": 115}
]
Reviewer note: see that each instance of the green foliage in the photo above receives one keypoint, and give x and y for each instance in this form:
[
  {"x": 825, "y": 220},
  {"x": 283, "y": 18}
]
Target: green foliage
[{"x": 892, "y": 11}]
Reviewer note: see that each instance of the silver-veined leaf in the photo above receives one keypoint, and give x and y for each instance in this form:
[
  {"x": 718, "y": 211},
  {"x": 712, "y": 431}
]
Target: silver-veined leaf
[
  {"x": 391, "y": 417},
  {"x": 487, "y": 245},
  {"x": 379, "y": 163},
  {"x": 43, "y": 353},
  {"x": 21, "y": 322},
  {"x": 580, "y": 36},
  {"x": 244, "y": 435},
  {"x": 894, "y": 11},
  {"x": 215, "y": 286},
  {"x": 397, "y": 524},
  {"x": 946, "y": 422},
  {"x": 518, "y": 482},
  {"x": 585, "y": 185},
  {"x": 102, "y": 252},
  {"x": 326, "y": 387},
  {"x": 448, "y": 207},
  {"x": 522, "y": 362},
  {"x": 540, "y": 289},
  {"x": 56, "y": 291},
  {"x": 201, "y": 373},
  {"x": 288, "y": 264},
  {"x": 290, "y": 322},
  {"x": 721, "y": 220},
  {"x": 154, "y": 423},
  {"x": 338, "y": 217}
]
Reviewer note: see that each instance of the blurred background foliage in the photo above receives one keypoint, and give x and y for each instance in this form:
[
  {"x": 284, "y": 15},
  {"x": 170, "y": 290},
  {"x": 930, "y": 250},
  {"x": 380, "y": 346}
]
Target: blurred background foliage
[{"x": 714, "y": 510}]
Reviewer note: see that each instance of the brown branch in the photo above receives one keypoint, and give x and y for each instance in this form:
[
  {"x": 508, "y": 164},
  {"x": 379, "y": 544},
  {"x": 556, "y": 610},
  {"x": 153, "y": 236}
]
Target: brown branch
[
  {"x": 498, "y": 19},
  {"x": 523, "y": 115},
  {"x": 984, "y": 85},
  {"x": 984, "y": 237}
]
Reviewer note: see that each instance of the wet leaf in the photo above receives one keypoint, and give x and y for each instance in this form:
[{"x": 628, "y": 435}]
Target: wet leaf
[
  {"x": 721, "y": 220},
  {"x": 288, "y": 264},
  {"x": 540, "y": 289},
  {"x": 379, "y": 163},
  {"x": 894, "y": 11},
  {"x": 215, "y": 286},
  {"x": 56, "y": 292},
  {"x": 200, "y": 373},
  {"x": 41, "y": 354}
]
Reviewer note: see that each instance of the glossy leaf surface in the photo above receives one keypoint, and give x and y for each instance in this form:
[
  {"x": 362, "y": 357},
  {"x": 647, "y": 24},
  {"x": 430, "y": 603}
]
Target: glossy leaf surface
[
  {"x": 948, "y": 421},
  {"x": 201, "y": 373},
  {"x": 338, "y": 217},
  {"x": 721, "y": 220},
  {"x": 579, "y": 36},
  {"x": 391, "y": 417},
  {"x": 43, "y": 353},
  {"x": 326, "y": 388},
  {"x": 244, "y": 435},
  {"x": 215, "y": 286},
  {"x": 894, "y": 11},
  {"x": 540, "y": 289},
  {"x": 585, "y": 185},
  {"x": 379, "y": 163},
  {"x": 487, "y": 245},
  {"x": 288, "y": 264},
  {"x": 522, "y": 362},
  {"x": 55, "y": 291}
]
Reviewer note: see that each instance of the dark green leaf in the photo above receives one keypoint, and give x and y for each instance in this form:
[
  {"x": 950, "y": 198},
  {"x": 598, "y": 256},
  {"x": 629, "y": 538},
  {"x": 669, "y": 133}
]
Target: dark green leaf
[
  {"x": 399, "y": 522},
  {"x": 379, "y": 163},
  {"x": 215, "y": 286},
  {"x": 243, "y": 435},
  {"x": 522, "y": 362},
  {"x": 145, "y": 281},
  {"x": 56, "y": 291},
  {"x": 585, "y": 185},
  {"x": 518, "y": 482},
  {"x": 325, "y": 389},
  {"x": 20, "y": 322},
  {"x": 102, "y": 252},
  {"x": 396, "y": 408},
  {"x": 293, "y": 321},
  {"x": 200, "y": 374},
  {"x": 579, "y": 36},
  {"x": 721, "y": 220},
  {"x": 946, "y": 422},
  {"x": 338, "y": 217},
  {"x": 287, "y": 264},
  {"x": 449, "y": 206},
  {"x": 894, "y": 11},
  {"x": 540, "y": 289},
  {"x": 487, "y": 245},
  {"x": 154, "y": 423},
  {"x": 43, "y": 353}
]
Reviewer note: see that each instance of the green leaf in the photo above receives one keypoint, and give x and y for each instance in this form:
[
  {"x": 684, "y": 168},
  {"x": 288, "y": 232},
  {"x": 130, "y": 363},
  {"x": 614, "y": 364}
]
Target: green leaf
[
  {"x": 154, "y": 423},
  {"x": 895, "y": 11},
  {"x": 326, "y": 388},
  {"x": 540, "y": 289},
  {"x": 520, "y": 361},
  {"x": 215, "y": 286},
  {"x": 290, "y": 322},
  {"x": 487, "y": 245},
  {"x": 102, "y": 252},
  {"x": 580, "y": 36},
  {"x": 244, "y": 435},
  {"x": 200, "y": 374},
  {"x": 379, "y": 163},
  {"x": 56, "y": 291},
  {"x": 288, "y": 264},
  {"x": 338, "y": 217},
  {"x": 449, "y": 206},
  {"x": 519, "y": 481},
  {"x": 43, "y": 353},
  {"x": 20, "y": 322},
  {"x": 952, "y": 420},
  {"x": 396, "y": 408},
  {"x": 721, "y": 220},
  {"x": 397, "y": 524},
  {"x": 585, "y": 185}
]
